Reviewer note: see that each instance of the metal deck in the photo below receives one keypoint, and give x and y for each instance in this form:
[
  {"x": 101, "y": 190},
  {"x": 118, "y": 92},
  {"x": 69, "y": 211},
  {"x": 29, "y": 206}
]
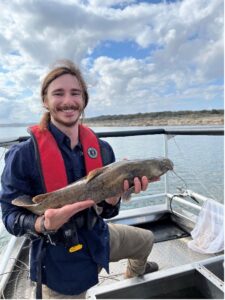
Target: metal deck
[{"x": 167, "y": 254}]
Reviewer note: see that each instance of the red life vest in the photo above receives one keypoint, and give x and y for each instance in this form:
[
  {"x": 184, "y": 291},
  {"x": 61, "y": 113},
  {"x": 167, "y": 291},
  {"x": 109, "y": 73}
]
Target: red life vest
[{"x": 51, "y": 161}]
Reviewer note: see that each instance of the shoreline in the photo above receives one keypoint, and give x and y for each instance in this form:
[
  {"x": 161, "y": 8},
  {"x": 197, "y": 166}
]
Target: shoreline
[{"x": 169, "y": 118}]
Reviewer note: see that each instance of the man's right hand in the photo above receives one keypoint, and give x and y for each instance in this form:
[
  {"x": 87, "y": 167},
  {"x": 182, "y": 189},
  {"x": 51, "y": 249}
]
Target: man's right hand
[{"x": 56, "y": 217}]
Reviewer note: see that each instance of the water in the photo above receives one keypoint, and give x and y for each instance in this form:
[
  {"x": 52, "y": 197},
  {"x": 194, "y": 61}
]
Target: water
[{"x": 198, "y": 160}]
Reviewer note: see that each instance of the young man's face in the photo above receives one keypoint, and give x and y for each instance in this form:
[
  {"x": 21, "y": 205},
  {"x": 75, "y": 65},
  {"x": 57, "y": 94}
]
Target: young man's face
[{"x": 64, "y": 100}]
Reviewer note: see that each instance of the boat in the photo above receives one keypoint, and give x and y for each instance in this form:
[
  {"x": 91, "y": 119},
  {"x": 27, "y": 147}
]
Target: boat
[{"x": 183, "y": 273}]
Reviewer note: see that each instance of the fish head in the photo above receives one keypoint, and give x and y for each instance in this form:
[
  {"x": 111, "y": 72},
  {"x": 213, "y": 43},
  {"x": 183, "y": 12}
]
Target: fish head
[
  {"x": 152, "y": 168},
  {"x": 159, "y": 166},
  {"x": 165, "y": 164}
]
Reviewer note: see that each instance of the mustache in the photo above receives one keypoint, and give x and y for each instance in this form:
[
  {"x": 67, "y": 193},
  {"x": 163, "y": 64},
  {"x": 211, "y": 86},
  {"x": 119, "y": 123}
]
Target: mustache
[{"x": 69, "y": 107}]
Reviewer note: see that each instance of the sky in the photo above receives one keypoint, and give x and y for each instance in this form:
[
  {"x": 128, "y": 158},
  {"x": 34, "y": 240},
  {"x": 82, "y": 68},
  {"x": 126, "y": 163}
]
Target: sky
[{"x": 136, "y": 56}]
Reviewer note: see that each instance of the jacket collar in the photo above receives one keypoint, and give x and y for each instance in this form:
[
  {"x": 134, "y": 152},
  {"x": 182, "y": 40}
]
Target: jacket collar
[{"x": 60, "y": 137}]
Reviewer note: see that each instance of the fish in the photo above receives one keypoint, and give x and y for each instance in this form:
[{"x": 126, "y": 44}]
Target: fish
[{"x": 99, "y": 184}]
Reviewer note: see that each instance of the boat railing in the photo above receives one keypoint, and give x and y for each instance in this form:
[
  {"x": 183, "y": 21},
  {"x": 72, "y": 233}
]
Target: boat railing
[{"x": 14, "y": 244}]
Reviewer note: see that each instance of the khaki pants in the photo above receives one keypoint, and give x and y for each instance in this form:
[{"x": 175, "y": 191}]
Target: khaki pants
[
  {"x": 132, "y": 243},
  {"x": 129, "y": 242}
]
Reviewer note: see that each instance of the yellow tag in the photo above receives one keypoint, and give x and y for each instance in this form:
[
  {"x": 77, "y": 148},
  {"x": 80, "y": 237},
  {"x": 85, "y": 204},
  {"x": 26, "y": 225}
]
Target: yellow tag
[{"x": 75, "y": 248}]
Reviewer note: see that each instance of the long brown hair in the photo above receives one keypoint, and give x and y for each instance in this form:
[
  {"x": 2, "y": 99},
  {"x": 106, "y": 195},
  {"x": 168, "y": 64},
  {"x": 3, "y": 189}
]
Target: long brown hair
[{"x": 60, "y": 68}]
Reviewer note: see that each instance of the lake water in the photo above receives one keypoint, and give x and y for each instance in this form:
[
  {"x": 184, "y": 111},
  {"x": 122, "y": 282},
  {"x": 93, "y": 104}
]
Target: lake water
[{"x": 198, "y": 160}]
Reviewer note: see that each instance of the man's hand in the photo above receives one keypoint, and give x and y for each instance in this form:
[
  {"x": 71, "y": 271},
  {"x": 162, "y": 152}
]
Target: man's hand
[
  {"x": 139, "y": 185},
  {"x": 56, "y": 217}
]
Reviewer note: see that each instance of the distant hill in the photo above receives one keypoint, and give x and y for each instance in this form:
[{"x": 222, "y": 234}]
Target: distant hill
[{"x": 187, "y": 117}]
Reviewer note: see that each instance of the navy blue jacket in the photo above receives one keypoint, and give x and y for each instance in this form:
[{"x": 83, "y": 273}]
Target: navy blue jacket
[{"x": 65, "y": 272}]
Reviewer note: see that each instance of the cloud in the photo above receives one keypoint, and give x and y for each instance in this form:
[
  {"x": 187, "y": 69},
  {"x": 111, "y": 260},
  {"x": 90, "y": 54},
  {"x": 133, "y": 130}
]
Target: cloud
[{"x": 183, "y": 43}]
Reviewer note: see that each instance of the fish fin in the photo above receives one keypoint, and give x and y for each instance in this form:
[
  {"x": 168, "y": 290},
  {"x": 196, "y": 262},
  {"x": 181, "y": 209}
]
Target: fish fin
[
  {"x": 94, "y": 173},
  {"x": 23, "y": 201},
  {"x": 127, "y": 195},
  {"x": 39, "y": 198}
]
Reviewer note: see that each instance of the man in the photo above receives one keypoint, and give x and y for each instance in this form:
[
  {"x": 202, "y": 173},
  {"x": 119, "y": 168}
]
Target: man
[{"x": 70, "y": 244}]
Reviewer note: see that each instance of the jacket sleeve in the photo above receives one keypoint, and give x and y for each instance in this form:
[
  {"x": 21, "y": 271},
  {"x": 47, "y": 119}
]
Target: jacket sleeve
[
  {"x": 15, "y": 182},
  {"x": 108, "y": 157}
]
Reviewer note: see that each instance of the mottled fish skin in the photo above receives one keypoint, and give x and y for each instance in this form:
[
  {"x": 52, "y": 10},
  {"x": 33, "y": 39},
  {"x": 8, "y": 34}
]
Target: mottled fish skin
[{"x": 100, "y": 184}]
